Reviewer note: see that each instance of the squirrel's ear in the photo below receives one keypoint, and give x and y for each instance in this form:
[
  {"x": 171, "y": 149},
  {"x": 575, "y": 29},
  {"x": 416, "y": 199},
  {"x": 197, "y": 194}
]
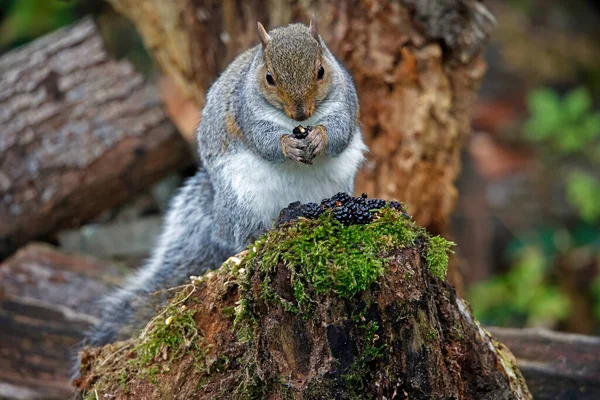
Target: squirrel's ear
[
  {"x": 312, "y": 28},
  {"x": 264, "y": 36}
]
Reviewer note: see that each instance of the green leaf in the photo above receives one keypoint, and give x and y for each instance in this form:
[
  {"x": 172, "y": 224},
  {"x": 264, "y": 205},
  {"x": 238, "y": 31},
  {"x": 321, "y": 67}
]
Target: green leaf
[
  {"x": 548, "y": 306},
  {"x": 542, "y": 127},
  {"x": 583, "y": 191},
  {"x": 591, "y": 126},
  {"x": 542, "y": 101},
  {"x": 578, "y": 103},
  {"x": 544, "y": 107},
  {"x": 570, "y": 140},
  {"x": 596, "y": 154}
]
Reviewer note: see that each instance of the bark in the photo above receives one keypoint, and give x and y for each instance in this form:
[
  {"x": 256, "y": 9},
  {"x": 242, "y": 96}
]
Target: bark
[
  {"x": 555, "y": 365},
  {"x": 47, "y": 301},
  {"x": 80, "y": 133},
  {"x": 258, "y": 328}
]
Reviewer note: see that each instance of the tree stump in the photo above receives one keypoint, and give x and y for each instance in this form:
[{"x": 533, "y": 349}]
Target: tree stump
[
  {"x": 314, "y": 310},
  {"x": 80, "y": 133}
]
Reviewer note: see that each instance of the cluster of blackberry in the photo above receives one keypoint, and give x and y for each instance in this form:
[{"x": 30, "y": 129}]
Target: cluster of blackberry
[
  {"x": 345, "y": 208},
  {"x": 351, "y": 210}
]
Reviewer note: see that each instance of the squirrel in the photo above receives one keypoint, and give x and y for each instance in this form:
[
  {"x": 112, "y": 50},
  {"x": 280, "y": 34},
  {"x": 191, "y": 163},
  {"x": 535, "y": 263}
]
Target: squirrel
[{"x": 252, "y": 165}]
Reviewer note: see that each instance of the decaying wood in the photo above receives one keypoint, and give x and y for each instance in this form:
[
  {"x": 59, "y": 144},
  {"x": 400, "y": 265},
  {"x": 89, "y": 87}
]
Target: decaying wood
[
  {"x": 79, "y": 133},
  {"x": 47, "y": 300},
  {"x": 555, "y": 365},
  {"x": 407, "y": 336},
  {"x": 416, "y": 66}
]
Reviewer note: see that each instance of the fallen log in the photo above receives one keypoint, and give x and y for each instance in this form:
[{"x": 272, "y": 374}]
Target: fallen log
[
  {"x": 80, "y": 133},
  {"x": 47, "y": 300},
  {"x": 314, "y": 310},
  {"x": 555, "y": 365}
]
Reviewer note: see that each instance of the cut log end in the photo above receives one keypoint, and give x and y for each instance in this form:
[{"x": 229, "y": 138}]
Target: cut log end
[{"x": 292, "y": 317}]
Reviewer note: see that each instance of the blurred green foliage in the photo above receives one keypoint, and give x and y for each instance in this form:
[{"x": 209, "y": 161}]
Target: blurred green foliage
[
  {"x": 570, "y": 127},
  {"x": 566, "y": 131},
  {"x": 24, "y": 20},
  {"x": 522, "y": 296},
  {"x": 566, "y": 125}
]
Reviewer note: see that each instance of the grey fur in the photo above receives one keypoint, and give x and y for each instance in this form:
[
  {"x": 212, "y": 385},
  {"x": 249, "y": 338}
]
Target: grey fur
[{"x": 211, "y": 218}]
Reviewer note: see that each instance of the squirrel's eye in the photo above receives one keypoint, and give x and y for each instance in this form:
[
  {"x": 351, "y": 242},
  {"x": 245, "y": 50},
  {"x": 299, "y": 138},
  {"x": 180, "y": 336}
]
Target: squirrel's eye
[
  {"x": 270, "y": 79},
  {"x": 321, "y": 72}
]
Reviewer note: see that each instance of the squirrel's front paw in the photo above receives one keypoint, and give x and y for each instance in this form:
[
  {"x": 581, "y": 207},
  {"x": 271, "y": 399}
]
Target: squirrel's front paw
[
  {"x": 317, "y": 140},
  {"x": 295, "y": 149}
]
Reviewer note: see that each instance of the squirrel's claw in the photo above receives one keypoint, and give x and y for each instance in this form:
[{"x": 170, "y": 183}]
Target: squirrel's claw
[
  {"x": 295, "y": 149},
  {"x": 317, "y": 140},
  {"x": 306, "y": 149}
]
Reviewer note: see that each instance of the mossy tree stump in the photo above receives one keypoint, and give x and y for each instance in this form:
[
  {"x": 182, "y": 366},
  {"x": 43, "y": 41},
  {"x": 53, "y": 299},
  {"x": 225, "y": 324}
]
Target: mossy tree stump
[{"x": 314, "y": 310}]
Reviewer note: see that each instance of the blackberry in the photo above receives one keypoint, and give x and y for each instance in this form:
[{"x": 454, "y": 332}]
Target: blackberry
[
  {"x": 299, "y": 132},
  {"x": 375, "y": 204},
  {"x": 396, "y": 205},
  {"x": 364, "y": 218},
  {"x": 353, "y": 211},
  {"x": 343, "y": 215},
  {"x": 328, "y": 203},
  {"x": 312, "y": 210},
  {"x": 342, "y": 197}
]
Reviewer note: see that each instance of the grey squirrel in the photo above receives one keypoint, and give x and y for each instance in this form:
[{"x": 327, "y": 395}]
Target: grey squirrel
[{"x": 252, "y": 165}]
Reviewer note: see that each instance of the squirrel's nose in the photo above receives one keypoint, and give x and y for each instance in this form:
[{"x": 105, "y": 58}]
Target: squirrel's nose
[{"x": 301, "y": 113}]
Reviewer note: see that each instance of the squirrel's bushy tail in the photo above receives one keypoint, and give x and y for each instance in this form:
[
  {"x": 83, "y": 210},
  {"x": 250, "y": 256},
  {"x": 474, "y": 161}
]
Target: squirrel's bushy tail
[{"x": 184, "y": 248}]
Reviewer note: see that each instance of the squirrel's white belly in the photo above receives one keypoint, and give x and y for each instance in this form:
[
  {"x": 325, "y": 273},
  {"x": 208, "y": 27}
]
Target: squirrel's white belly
[{"x": 265, "y": 188}]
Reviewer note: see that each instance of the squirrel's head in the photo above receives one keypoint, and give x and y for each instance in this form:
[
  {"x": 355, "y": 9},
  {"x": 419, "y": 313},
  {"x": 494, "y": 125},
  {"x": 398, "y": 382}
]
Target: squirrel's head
[{"x": 294, "y": 75}]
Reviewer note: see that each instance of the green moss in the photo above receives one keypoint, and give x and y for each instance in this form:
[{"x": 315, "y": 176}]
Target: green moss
[
  {"x": 89, "y": 395},
  {"x": 172, "y": 335},
  {"x": 251, "y": 387},
  {"x": 436, "y": 255},
  {"x": 244, "y": 319},
  {"x": 432, "y": 334},
  {"x": 326, "y": 257},
  {"x": 123, "y": 381},
  {"x": 371, "y": 348},
  {"x": 229, "y": 311}
]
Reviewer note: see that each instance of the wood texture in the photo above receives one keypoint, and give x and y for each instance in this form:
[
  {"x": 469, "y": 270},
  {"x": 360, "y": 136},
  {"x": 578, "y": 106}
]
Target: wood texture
[
  {"x": 79, "y": 133},
  {"x": 555, "y": 365},
  {"x": 47, "y": 300}
]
